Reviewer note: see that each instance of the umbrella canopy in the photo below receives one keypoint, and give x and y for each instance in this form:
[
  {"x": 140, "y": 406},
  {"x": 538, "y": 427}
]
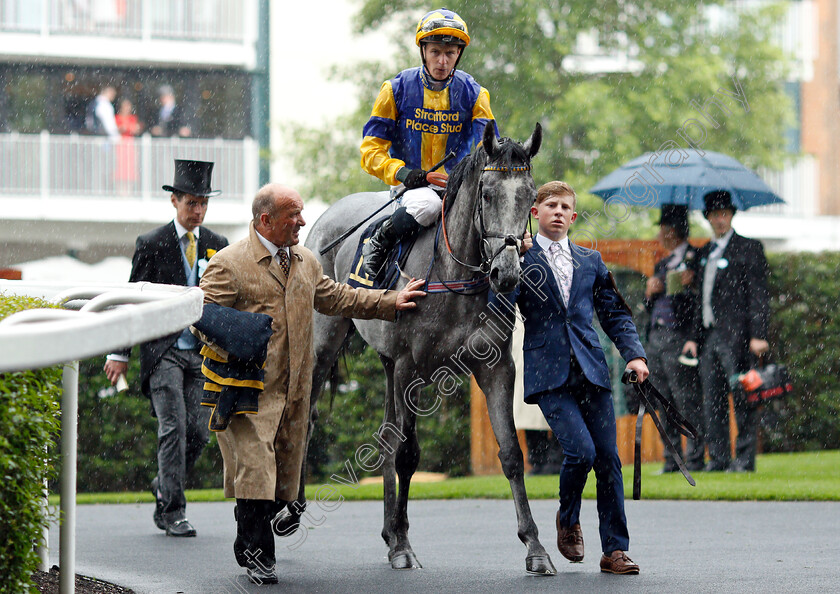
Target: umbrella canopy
[{"x": 651, "y": 181}]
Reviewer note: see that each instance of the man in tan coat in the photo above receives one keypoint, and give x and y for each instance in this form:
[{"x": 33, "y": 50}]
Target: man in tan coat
[{"x": 269, "y": 273}]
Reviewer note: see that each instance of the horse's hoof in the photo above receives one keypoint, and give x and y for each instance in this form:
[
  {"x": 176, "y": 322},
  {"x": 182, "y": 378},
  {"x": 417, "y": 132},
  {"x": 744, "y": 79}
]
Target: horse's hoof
[
  {"x": 540, "y": 565},
  {"x": 404, "y": 560}
]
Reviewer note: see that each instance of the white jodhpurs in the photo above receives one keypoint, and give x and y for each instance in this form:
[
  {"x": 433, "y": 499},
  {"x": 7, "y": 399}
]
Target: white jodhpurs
[{"x": 423, "y": 204}]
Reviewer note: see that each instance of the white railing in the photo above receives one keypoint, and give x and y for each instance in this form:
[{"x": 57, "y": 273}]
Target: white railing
[
  {"x": 195, "y": 20},
  {"x": 41, "y": 337},
  {"x": 50, "y": 165}
]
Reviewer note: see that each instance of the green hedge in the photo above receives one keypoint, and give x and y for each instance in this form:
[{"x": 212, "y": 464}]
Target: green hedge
[
  {"x": 29, "y": 426},
  {"x": 118, "y": 436},
  {"x": 349, "y": 419},
  {"x": 805, "y": 335}
]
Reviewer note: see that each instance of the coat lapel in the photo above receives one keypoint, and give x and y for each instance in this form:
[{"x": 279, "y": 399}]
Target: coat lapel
[
  {"x": 173, "y": 248},
  {"x": 260, "y": 253}
]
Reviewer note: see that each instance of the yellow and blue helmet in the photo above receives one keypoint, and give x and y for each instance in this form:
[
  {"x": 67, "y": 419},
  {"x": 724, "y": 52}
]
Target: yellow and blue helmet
[{"x": 442, "y": 26}]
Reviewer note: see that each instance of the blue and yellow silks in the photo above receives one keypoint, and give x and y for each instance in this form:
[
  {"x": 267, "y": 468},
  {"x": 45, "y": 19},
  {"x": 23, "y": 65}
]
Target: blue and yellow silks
[{"x": 413, "y": 126}]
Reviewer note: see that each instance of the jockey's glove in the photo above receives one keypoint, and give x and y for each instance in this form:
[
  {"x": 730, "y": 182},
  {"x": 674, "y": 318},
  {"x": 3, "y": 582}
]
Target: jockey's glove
[{"x": 412, "y": 178}]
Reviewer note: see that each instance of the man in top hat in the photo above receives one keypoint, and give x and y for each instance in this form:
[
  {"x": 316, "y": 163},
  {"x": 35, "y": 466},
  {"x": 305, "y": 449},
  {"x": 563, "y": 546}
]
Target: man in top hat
[
  {"x": 670, "y": 297},
  {"x": 732, "y": 327},
  {"x": 170, "y": 367}
]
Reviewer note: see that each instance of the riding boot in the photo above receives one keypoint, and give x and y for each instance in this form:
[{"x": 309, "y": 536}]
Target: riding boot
[{"x": 400, "y": 226}]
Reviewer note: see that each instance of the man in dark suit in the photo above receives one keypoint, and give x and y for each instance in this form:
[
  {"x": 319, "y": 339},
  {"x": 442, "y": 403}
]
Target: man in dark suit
[
  {"x": 566, "y": 373},
  {"x": 670, "y": 297},
  {"x": 170, "y": 367},
  {"x": 732, "y": 324}
]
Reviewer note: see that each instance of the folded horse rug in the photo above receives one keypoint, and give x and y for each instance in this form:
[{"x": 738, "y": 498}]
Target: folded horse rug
[{"x": 234, "y": 361}]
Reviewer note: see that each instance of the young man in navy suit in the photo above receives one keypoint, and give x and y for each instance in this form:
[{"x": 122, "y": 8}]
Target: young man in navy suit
[{"x": 566, "y": 372}]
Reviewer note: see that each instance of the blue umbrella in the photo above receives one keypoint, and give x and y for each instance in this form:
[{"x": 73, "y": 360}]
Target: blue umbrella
[{"x": 651, "y": 181}]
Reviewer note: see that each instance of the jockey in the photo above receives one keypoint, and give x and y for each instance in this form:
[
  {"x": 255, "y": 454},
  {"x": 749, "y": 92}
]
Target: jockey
[{"x": 419, "y": 116}]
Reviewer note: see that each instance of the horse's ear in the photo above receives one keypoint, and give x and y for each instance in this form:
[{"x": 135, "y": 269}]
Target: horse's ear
[
  {"x": 490, "y": 142},
  {"x": 532, "y": 145}
]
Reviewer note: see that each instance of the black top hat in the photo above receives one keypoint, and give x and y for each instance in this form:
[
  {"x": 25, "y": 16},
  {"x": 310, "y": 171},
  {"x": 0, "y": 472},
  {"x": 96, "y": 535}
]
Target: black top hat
[
  {"x": 676, "y": 216},
  {"x": 718, "y": 200},
  {"x": 193, "y": 177}
]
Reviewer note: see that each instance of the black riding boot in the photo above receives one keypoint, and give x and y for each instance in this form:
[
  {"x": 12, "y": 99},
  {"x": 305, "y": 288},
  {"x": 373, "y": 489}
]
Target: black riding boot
[{"x": 401, "y": 225}]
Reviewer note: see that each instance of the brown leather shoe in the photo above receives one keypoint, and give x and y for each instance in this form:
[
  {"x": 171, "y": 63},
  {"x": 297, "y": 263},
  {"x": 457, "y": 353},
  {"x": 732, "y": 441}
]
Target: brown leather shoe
[
  {"x": 570, "y": 541},
  {"x": 618, "y": 562}
]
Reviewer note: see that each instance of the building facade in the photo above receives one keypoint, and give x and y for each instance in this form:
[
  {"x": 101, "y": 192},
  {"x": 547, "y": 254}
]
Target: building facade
[{"x": 65, "y": 184}]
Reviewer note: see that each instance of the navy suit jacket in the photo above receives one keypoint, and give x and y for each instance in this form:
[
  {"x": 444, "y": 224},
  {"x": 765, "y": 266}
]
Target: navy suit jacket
[{"x": 553, "y": 332}]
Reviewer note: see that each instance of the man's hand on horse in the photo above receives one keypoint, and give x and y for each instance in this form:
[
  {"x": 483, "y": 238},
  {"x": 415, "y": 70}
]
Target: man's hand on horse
[
  {"x": 640, "y": 367},
  {"x": 526, "y": 244},
  {"x": 409, "y": 293}
]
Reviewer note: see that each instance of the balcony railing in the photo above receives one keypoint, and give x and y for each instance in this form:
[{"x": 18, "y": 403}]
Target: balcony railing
[
  {"x": 56, "y": 166},
  {"x": 195, "y": 20}
]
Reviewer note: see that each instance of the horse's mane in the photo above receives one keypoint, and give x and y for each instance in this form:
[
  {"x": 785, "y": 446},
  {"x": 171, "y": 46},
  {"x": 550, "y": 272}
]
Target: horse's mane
[{"x": 510, "y": 154}]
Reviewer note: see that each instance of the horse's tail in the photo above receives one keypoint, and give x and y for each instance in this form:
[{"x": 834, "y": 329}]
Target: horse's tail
[{"x": 334, "y": 375}]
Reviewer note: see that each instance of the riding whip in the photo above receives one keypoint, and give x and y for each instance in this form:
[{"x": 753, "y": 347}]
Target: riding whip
[
  {"x": 648, "y": 397},
  {"x": 349, "y": 232}
]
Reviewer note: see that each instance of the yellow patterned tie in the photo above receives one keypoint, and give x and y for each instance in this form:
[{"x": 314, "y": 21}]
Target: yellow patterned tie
[
  {"x": 284, "y": 260},
  {"x": 191, "y": 249}
]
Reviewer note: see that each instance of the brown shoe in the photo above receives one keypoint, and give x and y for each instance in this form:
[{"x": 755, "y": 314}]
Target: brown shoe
[
  {"x": 570, "y": 541},
  {"x": 618, "y": 562}
]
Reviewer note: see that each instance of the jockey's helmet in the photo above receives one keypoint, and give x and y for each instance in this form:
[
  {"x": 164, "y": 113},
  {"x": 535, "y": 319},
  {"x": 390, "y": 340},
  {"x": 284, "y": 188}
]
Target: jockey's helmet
[{"x": 442, "y": 26}]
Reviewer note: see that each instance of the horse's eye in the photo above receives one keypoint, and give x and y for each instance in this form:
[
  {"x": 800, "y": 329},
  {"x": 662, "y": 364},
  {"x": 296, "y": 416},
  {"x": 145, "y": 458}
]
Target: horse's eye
[{"x": 486, "y": 196}]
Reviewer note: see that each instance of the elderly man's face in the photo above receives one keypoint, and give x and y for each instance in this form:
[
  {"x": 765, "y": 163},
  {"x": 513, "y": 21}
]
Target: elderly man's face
[{"x": 284, "y": 228}]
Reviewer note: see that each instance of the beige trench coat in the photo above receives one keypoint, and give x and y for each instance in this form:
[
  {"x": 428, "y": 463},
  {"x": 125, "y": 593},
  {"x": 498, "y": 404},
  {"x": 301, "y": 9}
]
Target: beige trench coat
[{"x": 263, "y": 453}]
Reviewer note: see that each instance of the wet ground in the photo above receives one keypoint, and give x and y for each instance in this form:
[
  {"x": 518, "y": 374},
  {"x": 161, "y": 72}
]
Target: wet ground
[{"x": 471, "y": 545}]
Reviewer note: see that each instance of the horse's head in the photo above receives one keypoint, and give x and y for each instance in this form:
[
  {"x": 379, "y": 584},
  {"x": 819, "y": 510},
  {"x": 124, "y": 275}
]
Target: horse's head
[{"x": 506, "y": 192}]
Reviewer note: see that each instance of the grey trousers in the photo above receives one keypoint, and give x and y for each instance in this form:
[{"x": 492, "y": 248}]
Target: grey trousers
[
  {"x": 718, "y": 362},
  {"x": 681, "y": 384},
  {"x": 176, "y": 388}
]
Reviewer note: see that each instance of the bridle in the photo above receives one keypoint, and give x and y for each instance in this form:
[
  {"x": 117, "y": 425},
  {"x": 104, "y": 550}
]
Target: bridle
[{"x": 478, "y": 212}]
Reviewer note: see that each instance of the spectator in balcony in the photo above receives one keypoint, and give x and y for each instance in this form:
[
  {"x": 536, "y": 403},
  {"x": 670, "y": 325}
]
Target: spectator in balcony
[
  {"x": 671, "y": 296},
  {"x": 100, "y": 117},
  {"x": 170, "y": 120},
  {"x": 732, "y": 327},
  {"x": 129, "y": 127},
  {"x": 170, "y": 367}
]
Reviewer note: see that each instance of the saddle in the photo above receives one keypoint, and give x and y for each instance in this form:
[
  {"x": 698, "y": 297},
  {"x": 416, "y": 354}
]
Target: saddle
[{"x": 390, "y": 273}]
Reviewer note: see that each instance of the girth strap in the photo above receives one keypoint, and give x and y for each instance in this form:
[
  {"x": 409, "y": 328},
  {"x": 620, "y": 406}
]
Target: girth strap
[{"x": 649, "y": 396}]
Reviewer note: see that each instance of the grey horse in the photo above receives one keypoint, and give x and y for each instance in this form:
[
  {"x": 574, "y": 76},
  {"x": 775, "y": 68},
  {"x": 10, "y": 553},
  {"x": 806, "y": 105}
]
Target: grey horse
[{"x": 452, "y": 332}]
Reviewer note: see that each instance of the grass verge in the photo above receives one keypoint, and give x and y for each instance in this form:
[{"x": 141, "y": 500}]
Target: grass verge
[{"x": 802, "y": 476}]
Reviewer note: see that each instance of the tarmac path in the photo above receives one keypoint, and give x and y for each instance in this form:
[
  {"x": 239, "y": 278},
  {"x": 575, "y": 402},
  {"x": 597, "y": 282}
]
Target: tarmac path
[{"x": 471, "y": 546}]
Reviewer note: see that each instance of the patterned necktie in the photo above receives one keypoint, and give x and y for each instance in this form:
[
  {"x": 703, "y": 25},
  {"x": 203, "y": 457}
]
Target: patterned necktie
[
  {"x": 562, "y": 270},
  {"x": 283, "y": 260},
  {"x": 191, "y": 249}
]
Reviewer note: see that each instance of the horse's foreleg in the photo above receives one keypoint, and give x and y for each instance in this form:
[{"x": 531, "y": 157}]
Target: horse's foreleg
[{"x": 497, "y": 384}]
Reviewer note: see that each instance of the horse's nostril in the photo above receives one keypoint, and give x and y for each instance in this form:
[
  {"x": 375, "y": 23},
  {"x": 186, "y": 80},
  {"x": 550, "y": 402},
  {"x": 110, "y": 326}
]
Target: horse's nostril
[{"x": 494, "y": 274}]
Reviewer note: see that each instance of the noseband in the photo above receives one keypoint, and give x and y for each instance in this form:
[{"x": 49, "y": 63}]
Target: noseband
[{"x": 478, "y": 212}]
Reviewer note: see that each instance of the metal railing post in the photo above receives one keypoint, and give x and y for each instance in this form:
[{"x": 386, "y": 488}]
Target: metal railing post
[{"x": 67, "y": 534}]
